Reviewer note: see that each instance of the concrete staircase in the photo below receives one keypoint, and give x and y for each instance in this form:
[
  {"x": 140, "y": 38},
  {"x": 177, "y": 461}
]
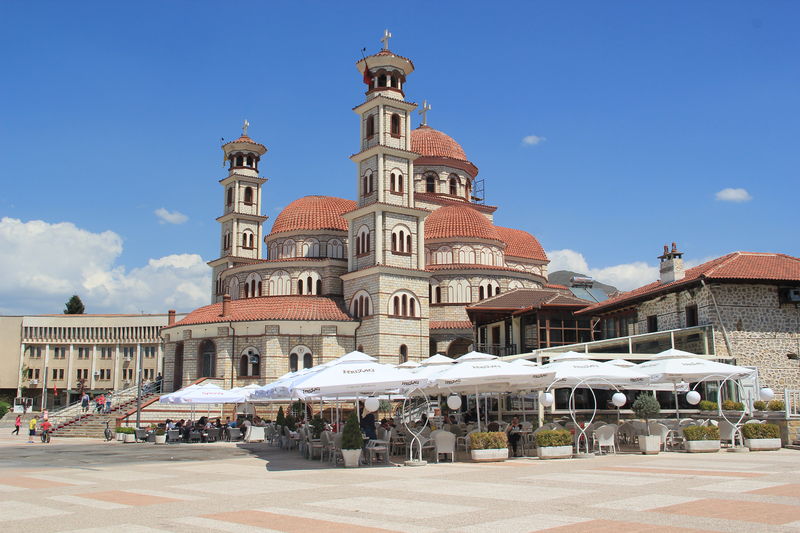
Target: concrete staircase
[{"x": 93, "y": 424}]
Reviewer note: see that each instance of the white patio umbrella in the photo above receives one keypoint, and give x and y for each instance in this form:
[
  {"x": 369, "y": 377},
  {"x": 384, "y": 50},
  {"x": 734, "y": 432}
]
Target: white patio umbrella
[
  {"x": 209, "y": 395},
  {"x": 573, "y": 369},
  {"x": 408, "y": 364},
  {"x": 177, "y": 396}
]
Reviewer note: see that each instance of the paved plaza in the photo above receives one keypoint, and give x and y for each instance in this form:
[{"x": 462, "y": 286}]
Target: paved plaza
[{"x": 85, "y": 485}]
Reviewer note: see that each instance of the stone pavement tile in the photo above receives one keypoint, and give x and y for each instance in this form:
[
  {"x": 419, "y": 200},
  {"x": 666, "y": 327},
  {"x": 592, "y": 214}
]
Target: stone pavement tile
[
  {"x": 244, "y": 487},
  {"x": 125, "y": 497},
  {"x": 192, "y": 523},
  {"x": 24, "y": 482},
  {"x": 684, "y": 472},
  {"x": 597, "y": 478},
  {"x": 790, "y": 490},
  {"x": 617, "y": 526},
  {"x": 758, "y": 512},
  {"x": 119, "y": 474},
  {"x": 11, "y": 510},
  {"x": 360, "y": 518},
  {"x": 290, "y": 524},
  {"x": 474, "y": 489},
  {"x": 736, "y": 486},
  {"x": 371, "y": 505},
  {"x": 644, "y": 503},
  {"x": 536, "y": 522},
  {"x": 127, "y": 528},
  {"x": 64, "y": 478},
  {"x": 87, "y": 502}
]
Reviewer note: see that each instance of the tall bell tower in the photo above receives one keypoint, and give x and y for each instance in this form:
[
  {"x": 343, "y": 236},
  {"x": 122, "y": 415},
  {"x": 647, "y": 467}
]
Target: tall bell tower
[
  {"x": 241, "y": 229},
  {"x": 386, "y": 284}
]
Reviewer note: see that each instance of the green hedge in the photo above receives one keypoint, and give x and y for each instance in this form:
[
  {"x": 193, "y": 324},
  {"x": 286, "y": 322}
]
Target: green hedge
[
  {"x": 730, "y": 405},
  {"x": 701, "y": 432},
  {"x": 705, "y": 405},
  {"x": 761, "y": 431},
  {"x": 351, "y": 434},
  {"x": 758, "y": 405},
  {"x": 776, "y": 405},
  {"x": 4, "y": 408},
  {"x": 488, "y": 440},
  {"x": 127, "y": 430},
  {"x": 554, "y": 437}
]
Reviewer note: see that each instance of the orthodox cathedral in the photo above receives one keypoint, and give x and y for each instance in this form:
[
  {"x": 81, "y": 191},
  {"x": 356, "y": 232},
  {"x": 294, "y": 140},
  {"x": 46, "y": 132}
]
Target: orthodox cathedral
[{"x": 388, "y": 273}]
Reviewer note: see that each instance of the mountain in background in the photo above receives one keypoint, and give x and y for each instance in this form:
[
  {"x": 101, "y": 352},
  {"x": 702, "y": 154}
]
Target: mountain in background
[{"x": 562, "y": 277}]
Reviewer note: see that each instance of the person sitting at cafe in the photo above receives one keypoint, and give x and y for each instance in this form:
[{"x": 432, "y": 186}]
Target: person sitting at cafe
[
  {"x": 368, "y": 425},
  {"x": 230, "y": 423},
  {"x": 514, "y": 435}
]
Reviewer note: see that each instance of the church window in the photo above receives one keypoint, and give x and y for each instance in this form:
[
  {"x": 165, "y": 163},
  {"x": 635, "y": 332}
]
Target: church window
[
  {"x": 459, "y": 291},
  {"x": 403, "y": 353},
  {"x": 293, "y": 362},
  {"x": 250, "y": 363},
  {"x": 382, "y": 80},
  {"x": 233, "y": 288},
  {"x": 480, "y": 292},
  {"x": 298, "y": 352},
  {"x": 208, "y": 356},
  {"x": 308, "y": 361},
  {"x": 319, "y": 286},
  {"x": 247, "y": 290},
  {"x": 394, "y": 242},
  {"x": 335, "y": 249},
  {"x": 248, "y": 195},
  {"x": 370, "y": 126},
  {"x": 438, "y": 294},
  {"x": 239, "y": 161},
  {"x": 362, "y": 241},
  {"x": 300, "y": 286},
  {"x": 280, "y": 283},
  {"x": 430, "y": 183},
  {"x": 453, "y": 186},
  {"x": 289, "y": 248},
  {"x": 404, "y": 304},
  {"x": 395, "y": 122},
  {"x": 249, "y": 161},
  {"x": 229, "y": 199},
  {"x": 408, "y": 243},
  {"x": 488, "y": 289},
  {"x": 361, "y": 304},
  {"x": 393, "y": 81}
]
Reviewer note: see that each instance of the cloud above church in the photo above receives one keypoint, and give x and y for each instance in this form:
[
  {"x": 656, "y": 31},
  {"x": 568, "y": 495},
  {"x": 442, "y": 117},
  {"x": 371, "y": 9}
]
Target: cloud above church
[
  {"x": 170, "y": 217},
  {"x": 733, "y": 195},
  {"x": 625, "y": 276},
  {"x": 532, "y": 140},
  {"x": 45, "y": 263}
]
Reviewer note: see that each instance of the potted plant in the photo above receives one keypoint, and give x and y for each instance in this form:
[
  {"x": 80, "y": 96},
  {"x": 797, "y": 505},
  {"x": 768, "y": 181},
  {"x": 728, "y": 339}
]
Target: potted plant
[
  {"x": 488, "y": 446},
  {"x": 730, "y": 405},
  {"x": 130, "y": 434},
  {"x": 701, "y": 439},
  {"x": 759, "y": 405},
  {"x": 120, "y": 434},
  {"x": 161, "y": 436},
  {"x": 352, "y": 442},
  {"x": 646, "y": 406},
  {"x": 762, "y": 437},
  {"x": 554, "y": 444},
  {"x": 317, "y": 426},
  {"x": 776, "y": 405},
  {"x": 706, "y": 405}
]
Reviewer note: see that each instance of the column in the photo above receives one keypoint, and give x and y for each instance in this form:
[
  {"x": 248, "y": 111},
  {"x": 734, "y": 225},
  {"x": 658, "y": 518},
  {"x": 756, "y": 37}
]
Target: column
[
  {"x": 93, "y": 366},
  {"x": 421, "y": 243},
  {"x": 69, "y": 371},
  {"x": 379, "y": 236},
  {"x": 351, "y": 249},
  {"x": 19, "y": 372},
  {"x": 381, "y": 180}
]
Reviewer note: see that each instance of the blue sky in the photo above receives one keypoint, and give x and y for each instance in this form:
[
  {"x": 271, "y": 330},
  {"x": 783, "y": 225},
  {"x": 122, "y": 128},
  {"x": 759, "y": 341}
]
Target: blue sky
[{"x": 637, "y": 113}]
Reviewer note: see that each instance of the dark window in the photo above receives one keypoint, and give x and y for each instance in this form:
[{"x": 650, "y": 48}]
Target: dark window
[
  {"x": 403, "y": 353},
  {"x": 370, "y": 126},
  {"x": 395, "y": 122},
  {"x": 293, "y": 362},
  {"x": 239, "y": 160},
  {"x": 652, "y": 323},
  {"x": 453, "y": 186},
  {"x": 308, "y": 361},
  {"x": 230, "y": 196},
  {"x": 319, "y": 286},
  {"x": 248, "y": 195},
  {"x": 208, "y": 355},
  {"x": 430, "y": 184},
  {"x": 691, "y": 316}
]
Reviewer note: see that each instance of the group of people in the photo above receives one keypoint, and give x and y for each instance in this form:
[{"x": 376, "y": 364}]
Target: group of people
[
  {"x": 102, "y": 402},
  {"x": 45, "y": 425},
  {"x": 204, "y": 423}
]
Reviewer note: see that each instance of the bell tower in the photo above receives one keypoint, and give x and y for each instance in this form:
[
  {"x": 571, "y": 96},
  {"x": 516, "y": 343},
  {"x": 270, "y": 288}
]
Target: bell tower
[
  {"x": 241, "y": 229},
  {"x": 386, "y": 284}
]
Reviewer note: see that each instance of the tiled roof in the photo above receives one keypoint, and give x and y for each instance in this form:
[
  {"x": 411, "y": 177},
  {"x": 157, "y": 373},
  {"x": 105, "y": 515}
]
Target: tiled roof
[
  {"x": 736, "y": 266},
  {"x": 313, "y": 213},
  {"x": 446, "y": 199},
  {"x": 473, "y": 266},
  {"x": 244, "y": 139},
  {"x": 521, "y": 244},
  {"x": 556, "y": 286},
  {"x": 270, "y": 308},
  {"x": 429, "y": 142},
  {"x": 450, "y": 324},
  {"x": 522, "y": 299},
  {"x": 459, "y": 221}
]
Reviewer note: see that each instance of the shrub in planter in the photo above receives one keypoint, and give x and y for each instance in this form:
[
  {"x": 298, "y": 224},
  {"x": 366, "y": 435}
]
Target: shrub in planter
[
  {"x": 290, "y": 423},
  {"x": 488, "y": 446},
  {"x": 317, "y": 425},
  {"x": 761, "y": 431},
  {"x": 705, "y": 405},
  {"x": 701, "y": 439},
  {"x": 759, "y": 405},
  {"x": 646, "y": 406},
  {"x": 730, "y": 405},
  {"x": 776, "y": 405},
  {"x": 553, "y": 437},
  {"x": 126, "y": 430},
  {"x": 281, "y": 418},
  {"x": 352, "y": 441}
]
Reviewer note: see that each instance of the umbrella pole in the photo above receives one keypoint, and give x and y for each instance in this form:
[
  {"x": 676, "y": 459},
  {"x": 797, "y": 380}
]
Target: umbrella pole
[
  {"x": 677, "y": 407},
  {"x": 478, "y": 408}
]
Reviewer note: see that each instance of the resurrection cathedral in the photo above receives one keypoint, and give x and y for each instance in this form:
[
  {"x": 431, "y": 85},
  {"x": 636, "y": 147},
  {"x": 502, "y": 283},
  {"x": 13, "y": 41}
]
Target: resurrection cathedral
[{"x": 388, "y": 273}]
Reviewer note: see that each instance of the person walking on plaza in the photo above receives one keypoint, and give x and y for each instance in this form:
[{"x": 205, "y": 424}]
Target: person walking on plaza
[
  {"x": 85, "y": 402},
  {"x": 32, "y": 428},
  {"x": 17, "y": 424},
  {"x": 108, "y": 402},
  {"x": 100, "y": 403}
]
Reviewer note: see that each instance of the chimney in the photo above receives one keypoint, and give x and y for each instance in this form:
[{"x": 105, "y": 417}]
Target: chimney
[
  {"x": 671, "y": 267},
  {"x": 170, "y": 317},
  {"x": 226, "y": 303}
]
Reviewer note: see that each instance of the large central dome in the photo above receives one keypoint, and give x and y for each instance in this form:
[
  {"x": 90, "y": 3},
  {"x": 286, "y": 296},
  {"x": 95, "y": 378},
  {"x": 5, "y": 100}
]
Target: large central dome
[
  {"x": 459, "y": 221},
  {"x": 429, "y": 142},
  {"x": 313, "y": 213}
]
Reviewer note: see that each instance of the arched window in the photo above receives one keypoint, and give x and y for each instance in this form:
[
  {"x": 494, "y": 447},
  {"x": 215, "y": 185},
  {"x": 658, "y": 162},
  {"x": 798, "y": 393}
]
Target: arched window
[
  {"x": 248, "y": 240},
  {"x": 408, "y": 243},
  {"x": 515, "y": 284},
  {"x": 404, "y": 304},
  {"x": 362, "y": 241},
  {"x": 246, "y": 290},
  {"x": 300, "y": 286},
  {"x": 395, "y": 121},
  {"x": 229, "y": 196},
  {"x": 252, "y": 285},
  {"x": 488, "y": 289},
  {"x": 250, "y": 362},
  {"x": 248, "y": 192},
  {"x": 308, "y": 282},
  {"x": 361, "y": 304},
  {"x": 249, "y": 161},
  {"x": 403, "y": 353},
  {"x": 382, "y": 80},
  {"x": 207, "y": 352},
  {"x": 453, "y": 185},
  {"x": 293, "y": 362},
  {"x": 296, "y": 354},
  {"x": 370, "y": 127},
  {"x": 444, "y": 256},
  {"x": 480, "y": 293},
  {"x": 430, "y": 183},
  {"x": 239, "y": 160},
  {"x": 335, "y": 249},
  {"x": 280, "y": 283},
  {"x": 393, "y": 81},
  {"x": 401, "y": 239},
  {"x": 459, "y": 291},
  {"x": 360, "y": 348},
  {"x": 438, "y": 294},
  {"x": 318, "y": 287},
  {"x": 308, "y": 361},
  {"x": 233, "y": 288},
  {"x": 289, "y": 248}
]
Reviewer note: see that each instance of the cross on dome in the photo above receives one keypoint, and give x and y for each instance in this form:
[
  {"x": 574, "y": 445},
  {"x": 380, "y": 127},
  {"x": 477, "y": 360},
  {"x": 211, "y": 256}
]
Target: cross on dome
[
  {"x": 424, "y": 112},
  {"x": 244, "y": 127},
  {"x": 385, "y": 39}
]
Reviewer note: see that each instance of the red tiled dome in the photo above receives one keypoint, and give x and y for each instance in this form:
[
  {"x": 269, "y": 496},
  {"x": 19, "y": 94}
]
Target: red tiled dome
[
  {"x": 521, "y": 244},
  {"x": 429, "y": 142},
  {"x": 459, "y": 221},
  {"x": 313, "y": 213},
  {"x": 269, "y": 308}
]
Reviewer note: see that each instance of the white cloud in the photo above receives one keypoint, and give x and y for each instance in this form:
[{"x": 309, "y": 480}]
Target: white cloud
[
  {"x": 43, "y": 264},
  {"x": 532, "y": 140},
  {"x": 733, "y": 195},
  {"x": 170, "y": 217},
  {"x": 624, "y": 276}
]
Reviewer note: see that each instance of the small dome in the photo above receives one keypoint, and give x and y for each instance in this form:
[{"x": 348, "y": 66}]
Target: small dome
[
  {"x": 521, "y": 244},
  {"x": 459, "y": 221},
  {"x": 429, "y": 142},
  {"x": 313, "y": 213}
]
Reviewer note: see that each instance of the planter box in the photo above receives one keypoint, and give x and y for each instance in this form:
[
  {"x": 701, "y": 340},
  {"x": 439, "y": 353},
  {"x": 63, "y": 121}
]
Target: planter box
[
  {"x": 351, "y": 458},
  {"x": 554, "y": 452},
  {"x": 484, "y": 456},
  {"x": 702, "y": 446},
  {"x": 121, "y": 437},
  {"x": 650, "y": 444},
  {"x": 130, "y": 437},
  {"x": 161, "y": 439},
  {"x": 761, "y": 445}
]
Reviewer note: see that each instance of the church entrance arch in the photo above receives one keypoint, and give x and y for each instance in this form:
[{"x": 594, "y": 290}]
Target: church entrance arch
[
  {"x": 459, "y": 347},
  {"x": 177, "y": 378},
  {"x": 208, "y": 359}
]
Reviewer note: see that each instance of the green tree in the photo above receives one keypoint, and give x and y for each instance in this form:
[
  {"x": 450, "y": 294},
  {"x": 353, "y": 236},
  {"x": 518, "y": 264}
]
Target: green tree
[
  {"x": 74, "y": 306},
  {"x": 646, "y": 406}
]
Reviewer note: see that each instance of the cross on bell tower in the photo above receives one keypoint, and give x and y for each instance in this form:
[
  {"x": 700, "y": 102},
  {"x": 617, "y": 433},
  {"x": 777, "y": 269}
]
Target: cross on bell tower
[
  {"x": 385, "y": 39},
  {"x": 424, "y": 112}
]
